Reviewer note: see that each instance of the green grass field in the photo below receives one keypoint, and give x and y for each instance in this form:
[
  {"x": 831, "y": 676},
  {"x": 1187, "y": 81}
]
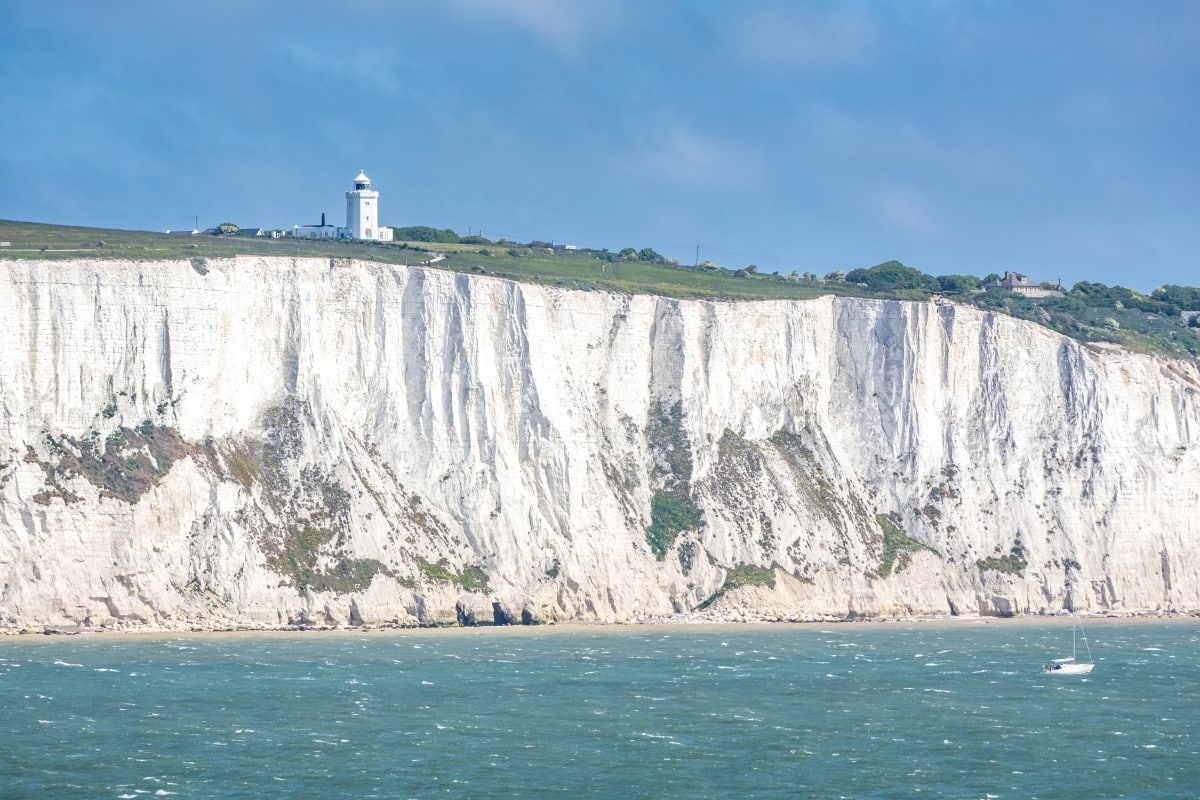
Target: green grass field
[
  {"x": 578, "y": 269},
  {"x": 1083, "y": 316},
  {"x": 36, "y": 240}
]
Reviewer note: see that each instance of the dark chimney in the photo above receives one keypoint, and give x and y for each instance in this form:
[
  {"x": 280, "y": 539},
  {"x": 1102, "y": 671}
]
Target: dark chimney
[{"x": 322, "y": 219}]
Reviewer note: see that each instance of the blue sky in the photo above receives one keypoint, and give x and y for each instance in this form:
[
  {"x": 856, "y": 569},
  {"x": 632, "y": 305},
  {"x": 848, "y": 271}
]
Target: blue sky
[{"x": 1055, "y": 138}]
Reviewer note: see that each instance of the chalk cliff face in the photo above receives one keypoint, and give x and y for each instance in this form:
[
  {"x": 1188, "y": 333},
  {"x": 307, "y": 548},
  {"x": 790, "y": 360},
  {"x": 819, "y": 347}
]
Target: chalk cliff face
[{"x": 258, "y": 442}]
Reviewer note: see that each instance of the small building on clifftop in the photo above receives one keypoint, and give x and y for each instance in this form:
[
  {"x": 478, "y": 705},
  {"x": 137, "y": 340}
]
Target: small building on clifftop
[
  {"x": 1020, "y": 284},
  {"x": 362, "y": 217}
]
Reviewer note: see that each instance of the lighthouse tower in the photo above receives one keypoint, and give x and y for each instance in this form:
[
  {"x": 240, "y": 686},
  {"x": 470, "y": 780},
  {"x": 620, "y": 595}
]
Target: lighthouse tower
[{"x": 362, "y": 212}]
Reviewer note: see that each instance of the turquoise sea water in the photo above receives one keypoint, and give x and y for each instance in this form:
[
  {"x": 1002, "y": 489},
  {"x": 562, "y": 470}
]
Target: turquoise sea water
[{"x": 822, "y": 711}]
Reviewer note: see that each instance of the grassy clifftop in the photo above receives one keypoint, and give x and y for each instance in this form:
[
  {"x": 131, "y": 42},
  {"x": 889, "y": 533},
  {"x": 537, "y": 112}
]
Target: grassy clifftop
[
  {"x": 579, "y": 269},
  {"x": 1088, "y": 312}
]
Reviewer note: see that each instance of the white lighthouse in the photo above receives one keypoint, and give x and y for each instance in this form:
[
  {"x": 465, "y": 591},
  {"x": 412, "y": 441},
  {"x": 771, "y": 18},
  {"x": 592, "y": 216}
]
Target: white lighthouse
[{"x": 362, "y": 212}]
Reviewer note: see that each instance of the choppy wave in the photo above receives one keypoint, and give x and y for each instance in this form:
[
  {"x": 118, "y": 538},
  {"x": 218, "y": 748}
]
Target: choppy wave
[{"x": 780, "y": 712}]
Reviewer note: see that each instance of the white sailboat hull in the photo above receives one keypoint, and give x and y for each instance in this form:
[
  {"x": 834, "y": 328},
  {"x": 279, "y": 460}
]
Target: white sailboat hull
[
  {"x": 1069, "y": 666},
  {"x": 1071, "y": 669}
]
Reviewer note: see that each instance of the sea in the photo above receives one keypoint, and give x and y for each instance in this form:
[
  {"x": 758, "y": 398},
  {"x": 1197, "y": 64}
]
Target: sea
[{"x": 846, "y": 710}]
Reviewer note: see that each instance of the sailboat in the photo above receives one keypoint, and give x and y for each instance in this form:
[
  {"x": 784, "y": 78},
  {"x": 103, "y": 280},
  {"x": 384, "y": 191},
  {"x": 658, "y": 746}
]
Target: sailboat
[{"x": 1069, "y": 666}]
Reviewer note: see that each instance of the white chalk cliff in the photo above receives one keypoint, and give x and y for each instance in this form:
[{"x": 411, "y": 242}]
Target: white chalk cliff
[{"x": 257, "y": 442}]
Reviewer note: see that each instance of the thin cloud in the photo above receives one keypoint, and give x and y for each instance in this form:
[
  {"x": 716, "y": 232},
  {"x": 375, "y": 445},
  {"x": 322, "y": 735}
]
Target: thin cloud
[
  {"x": 958, "y": 152},
  {"x": 563, "y": 27},
  {"x": 907, "y": 211},
  {"x": 683, "y": 157},
  {"x": 371, "y": 70},
  {"x": 1156, "y": 41},
  {"x": 802, "y": 37}
]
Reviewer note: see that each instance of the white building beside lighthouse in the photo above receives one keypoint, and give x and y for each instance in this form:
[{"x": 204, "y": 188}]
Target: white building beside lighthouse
[
  {"x": 362, "y": 217},
  {"x": 362, "y": 212}
]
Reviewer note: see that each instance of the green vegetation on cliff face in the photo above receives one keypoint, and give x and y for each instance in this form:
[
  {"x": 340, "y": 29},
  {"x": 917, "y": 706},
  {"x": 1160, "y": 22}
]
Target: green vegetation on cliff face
[
  {"x": 129, "y": 462},
  {"x": 1089, "y": 312},
  {"x": 472, "y": 578},
  {"x": 898, "y": 547},
  {"x": 672, "y": 510},
  {"x": 297, "y": 554},
  {"x": 669, "y": 516},
  {"x": 1012, "y": 563},
  {"x": 742, "y": 575},
  {"x": 301, "y": 517}
]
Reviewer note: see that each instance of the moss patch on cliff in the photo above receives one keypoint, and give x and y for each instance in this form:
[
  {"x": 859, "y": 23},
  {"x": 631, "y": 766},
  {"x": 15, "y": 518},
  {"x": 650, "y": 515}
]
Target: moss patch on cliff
[
  {"x": 669, "y": 446},
  {"x": 53, "y": 477},
  {"x": 1011, "y": 563},
  {"x": 672, "y": 509},
  {"x": 841, "y": 508},
  {"x": 812, "y": 480},
  {"x": 299, "y": 515},
  {"x": 348, "y": 575},
  {"x": 420, "y": 519},
  {"x": 898, "y": 547},
  {"x": 263, "y": 462},
  {"x": 738, "y": 470},
  {"x": 309, "y": 550},
  {"x": 472, "y": 578},
  {"x": 303, "y": 516},
  {"x": 670, "y": 515},
  {"x": 742, "y": 575},
  {"x": 747, "y": 492},
  {"x": 413, "y": 514},
  {"x": 129, "y": 463},
  {"x": 242, "y": 461},
  {"x": 297, "y": 553}
]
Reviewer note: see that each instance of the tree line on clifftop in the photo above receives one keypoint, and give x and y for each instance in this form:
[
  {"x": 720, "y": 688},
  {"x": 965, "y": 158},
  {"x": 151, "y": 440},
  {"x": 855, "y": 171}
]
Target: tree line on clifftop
[{"x": 1167, "y": 319}]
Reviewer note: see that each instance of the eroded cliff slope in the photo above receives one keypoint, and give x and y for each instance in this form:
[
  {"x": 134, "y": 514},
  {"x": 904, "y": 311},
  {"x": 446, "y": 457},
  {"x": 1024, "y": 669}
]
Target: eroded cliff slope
[{"x": 257, "y": 442}]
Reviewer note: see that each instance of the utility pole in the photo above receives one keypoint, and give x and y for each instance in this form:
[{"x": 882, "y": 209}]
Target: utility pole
[{"x": 697, "y": 257}]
